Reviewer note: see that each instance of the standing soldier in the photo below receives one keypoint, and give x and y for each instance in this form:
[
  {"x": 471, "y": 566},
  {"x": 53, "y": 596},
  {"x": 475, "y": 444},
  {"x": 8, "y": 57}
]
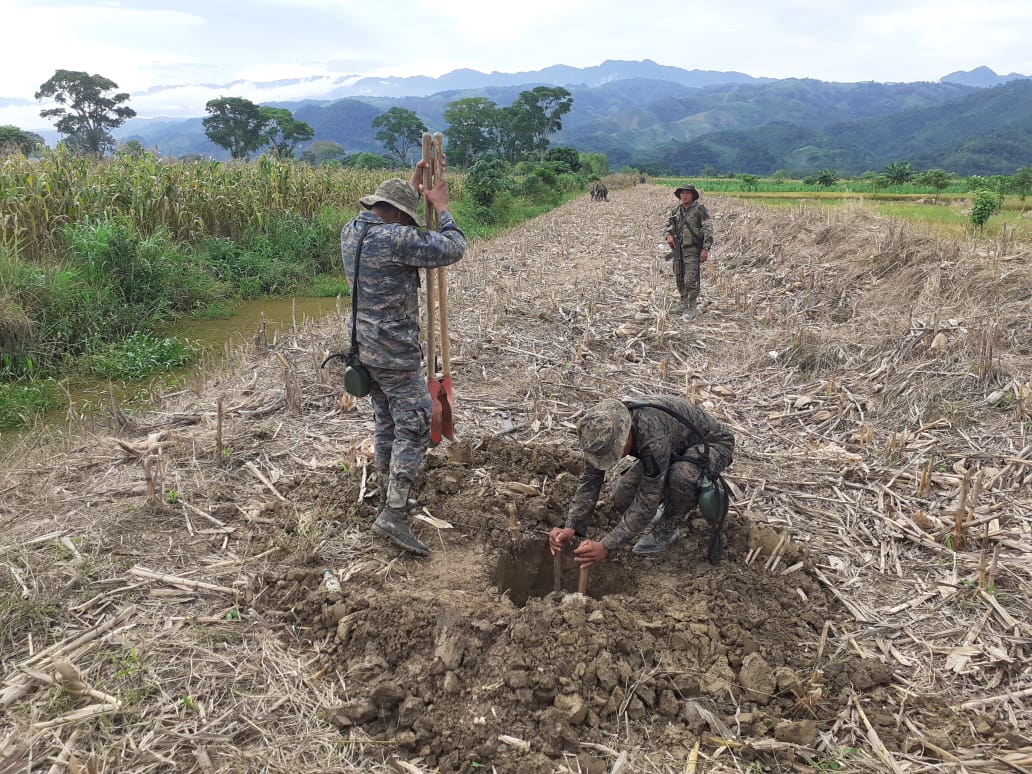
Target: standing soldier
[
  {"x": 689, "y": 233},
  {"x": 386, "y": 246}
]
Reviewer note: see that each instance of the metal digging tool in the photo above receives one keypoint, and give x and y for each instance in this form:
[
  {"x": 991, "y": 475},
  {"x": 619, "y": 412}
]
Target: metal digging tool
[{"x": 441, "y": 421}]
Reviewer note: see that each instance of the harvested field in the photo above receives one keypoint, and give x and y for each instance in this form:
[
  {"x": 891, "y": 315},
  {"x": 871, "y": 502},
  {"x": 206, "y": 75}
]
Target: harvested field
[{"x": 161, "y": 605}]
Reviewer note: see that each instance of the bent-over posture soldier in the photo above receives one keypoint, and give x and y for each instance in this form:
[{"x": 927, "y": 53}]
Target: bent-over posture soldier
[{"x": 676, "y": 444}]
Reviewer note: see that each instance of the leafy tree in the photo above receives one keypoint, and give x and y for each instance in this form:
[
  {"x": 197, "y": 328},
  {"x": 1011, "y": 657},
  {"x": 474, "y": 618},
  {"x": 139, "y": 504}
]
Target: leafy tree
[
  {"x": 486, "y": 179},
  {"x": 779, "y": 176},
  {"x": 826, "y": 178},
  {"x": 91, "y": 113},
  {"x": 936, "y": 179},
  {"x": 899, "y": 172},
  {"x": 400, "y": 131},
  {"x": 323, "y": 151},
  {"x": 985, "y": 203},
  {"x": 236, "y": 124},
  {"x": 749, "y": 182},
  {"x": 1022, "y": 182},
  {"x": 15, "y": 140},
  {"x": 284, "y": 131},
  {"x": 365, "y": 160},
  {"x": 595, "y": 165},
  {"x": 528, "y": 121},
  {"x": 565, "y": 156},
  {"x": 132, "y": 148},
  {"x": 473, "y": 125}
]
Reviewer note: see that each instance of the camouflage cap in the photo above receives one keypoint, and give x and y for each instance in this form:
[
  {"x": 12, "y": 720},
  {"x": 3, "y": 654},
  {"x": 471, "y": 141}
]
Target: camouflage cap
[
  {"x": 603, "y": 432},
  {"x": 398, "y": 193},
  {"x": 686, "y": 187}
]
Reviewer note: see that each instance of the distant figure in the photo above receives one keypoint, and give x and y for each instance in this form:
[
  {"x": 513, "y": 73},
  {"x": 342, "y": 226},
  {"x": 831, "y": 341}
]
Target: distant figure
[
  {"x": 599, "y": 192},
  {"x": 676, "y": 444},
  {"x": 689, "y": 233},
  {"x": 386, "y": 246}
]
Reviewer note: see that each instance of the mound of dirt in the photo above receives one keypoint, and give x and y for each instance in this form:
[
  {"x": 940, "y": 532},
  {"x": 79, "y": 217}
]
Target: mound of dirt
[{"x": 503, "y": 671}]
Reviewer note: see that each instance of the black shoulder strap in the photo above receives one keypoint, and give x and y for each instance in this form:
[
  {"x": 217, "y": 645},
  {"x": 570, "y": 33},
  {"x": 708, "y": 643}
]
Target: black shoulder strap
[
  {"x": 637, "y": 403},
  {"x": 353, "y": 352}
]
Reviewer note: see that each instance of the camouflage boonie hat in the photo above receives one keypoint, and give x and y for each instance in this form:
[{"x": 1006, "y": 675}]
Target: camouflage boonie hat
[
  {"x": 686, "y": 187},
  {"x": 398, "y": 193},
  {"x": 603, "y": 433}
]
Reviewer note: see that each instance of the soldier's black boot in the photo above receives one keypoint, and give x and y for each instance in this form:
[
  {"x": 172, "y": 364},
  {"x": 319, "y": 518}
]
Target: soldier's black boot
[
  {"x": 393, "y": 521},
  {"x": 665, "y": 532}
]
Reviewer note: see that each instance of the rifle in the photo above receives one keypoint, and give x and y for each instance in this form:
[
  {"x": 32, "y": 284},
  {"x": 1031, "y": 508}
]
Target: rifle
[{"x": 678, "y": 256}]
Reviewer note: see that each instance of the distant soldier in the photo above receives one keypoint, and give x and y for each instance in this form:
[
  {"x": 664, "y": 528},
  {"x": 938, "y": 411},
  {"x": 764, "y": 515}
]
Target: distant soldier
[
  {"x": 390, "y": 244},
  {"x": 599, "y": 192},
  {"x": 689, "y": 233},
  {"x": 676, "y": 444}
]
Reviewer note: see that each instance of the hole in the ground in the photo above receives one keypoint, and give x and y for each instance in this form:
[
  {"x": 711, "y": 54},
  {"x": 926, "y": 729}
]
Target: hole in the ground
[{"x": 528, "y": 570}]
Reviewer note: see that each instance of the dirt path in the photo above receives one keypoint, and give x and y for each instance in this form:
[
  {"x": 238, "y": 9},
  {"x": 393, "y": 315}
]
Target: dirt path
[{"x": 871, "y": 613}]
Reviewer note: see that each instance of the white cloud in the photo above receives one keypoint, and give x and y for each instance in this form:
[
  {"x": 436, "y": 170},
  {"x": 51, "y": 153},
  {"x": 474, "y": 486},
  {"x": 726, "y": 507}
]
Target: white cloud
[{"x": 140, "y": 44}]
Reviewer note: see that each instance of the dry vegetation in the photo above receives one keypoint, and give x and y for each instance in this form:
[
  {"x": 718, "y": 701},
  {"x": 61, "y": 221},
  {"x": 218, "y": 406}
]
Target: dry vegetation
[{"x": 156, "y": 602}]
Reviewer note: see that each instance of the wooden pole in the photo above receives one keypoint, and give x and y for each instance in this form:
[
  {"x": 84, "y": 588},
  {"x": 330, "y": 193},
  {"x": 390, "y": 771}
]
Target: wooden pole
[
  {"x": 582, "y": 583},
  {"x": 431, "y": 274},
  {"x": 557, "y": 572}
]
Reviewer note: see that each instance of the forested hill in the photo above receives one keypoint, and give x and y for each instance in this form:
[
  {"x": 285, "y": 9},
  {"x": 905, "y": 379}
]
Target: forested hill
[
  {"x": 983, "y": 132},
  {"x": 662, "y": 126}
]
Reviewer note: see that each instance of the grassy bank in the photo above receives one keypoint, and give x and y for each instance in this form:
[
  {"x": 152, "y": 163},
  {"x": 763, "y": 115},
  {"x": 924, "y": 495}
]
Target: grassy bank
[{"x": 97, "y": 255}]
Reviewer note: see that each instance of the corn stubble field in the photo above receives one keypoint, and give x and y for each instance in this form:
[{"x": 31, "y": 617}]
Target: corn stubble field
[{"x": 160, "y": 597}]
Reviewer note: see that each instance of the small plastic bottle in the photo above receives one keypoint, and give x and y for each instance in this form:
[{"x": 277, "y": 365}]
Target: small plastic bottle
[{"x": 330, "y": 582}]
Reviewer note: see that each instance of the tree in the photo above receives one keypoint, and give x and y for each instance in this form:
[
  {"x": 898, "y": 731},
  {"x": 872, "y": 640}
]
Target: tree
[
  {"x": 528, "y": 121},
  {"x": 323, "y": 151},
  {"x": 400, "y": 131},
  {"x": 594, "y": 165},
  {"x": 486, "y": 179},
  {"x": 826, "y": 178},
  {"x": 985, "y": 203},
  {"x": 472, "y": 129},
  {"x": 284, "y": 132},
  {"x": 899, "y": 172},
  {"x": 236, "y": 124},
  {"x": 15, "y": 140},
  {"x": 90, "y": 114},
  {"x": 1022, "y": 182},
  {"x": 565, "y": 156},
  {"x": 749, "y": 182},
  {"x": 936, "y": 179},
  {"x": 366, "y": 160}
]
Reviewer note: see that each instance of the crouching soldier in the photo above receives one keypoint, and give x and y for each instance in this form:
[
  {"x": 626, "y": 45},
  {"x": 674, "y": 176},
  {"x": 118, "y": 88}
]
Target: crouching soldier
[{"x": 680, "y": 451}]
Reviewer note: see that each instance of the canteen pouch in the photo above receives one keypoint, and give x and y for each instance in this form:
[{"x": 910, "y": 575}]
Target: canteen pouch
[{"x": 357, "y": 380}]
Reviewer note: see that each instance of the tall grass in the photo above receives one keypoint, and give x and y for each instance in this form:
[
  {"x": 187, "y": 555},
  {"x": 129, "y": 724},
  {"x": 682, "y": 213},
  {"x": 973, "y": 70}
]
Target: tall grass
[{"x": 190, "y": 201}]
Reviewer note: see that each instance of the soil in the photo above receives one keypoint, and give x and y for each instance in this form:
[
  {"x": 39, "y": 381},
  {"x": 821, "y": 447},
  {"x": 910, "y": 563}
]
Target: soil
[{"x": 855, "y": 622}]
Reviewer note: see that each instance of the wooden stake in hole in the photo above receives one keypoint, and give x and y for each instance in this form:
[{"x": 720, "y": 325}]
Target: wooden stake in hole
[
  {"x": 582, "y": 583},
  {"x": 557, "y": 572}
]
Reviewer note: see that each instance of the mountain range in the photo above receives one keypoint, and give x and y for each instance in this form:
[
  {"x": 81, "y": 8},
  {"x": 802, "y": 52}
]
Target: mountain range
[{"x": 667, "y": 120}]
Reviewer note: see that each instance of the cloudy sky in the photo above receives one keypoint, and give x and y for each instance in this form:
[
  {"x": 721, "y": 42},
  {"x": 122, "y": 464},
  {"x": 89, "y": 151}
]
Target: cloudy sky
[{"x": 141, "y": 44}]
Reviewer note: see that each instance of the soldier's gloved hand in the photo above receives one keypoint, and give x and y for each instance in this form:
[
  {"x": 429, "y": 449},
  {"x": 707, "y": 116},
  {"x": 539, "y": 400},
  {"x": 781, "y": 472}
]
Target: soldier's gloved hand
[
  {"x": 590, "y": 552},
  {"x": 557, "y": 537}
]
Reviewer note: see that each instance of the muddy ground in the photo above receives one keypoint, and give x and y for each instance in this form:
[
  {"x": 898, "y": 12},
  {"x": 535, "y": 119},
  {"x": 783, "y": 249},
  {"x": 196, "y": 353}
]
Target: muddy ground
[{"x": 163, "y": 606}]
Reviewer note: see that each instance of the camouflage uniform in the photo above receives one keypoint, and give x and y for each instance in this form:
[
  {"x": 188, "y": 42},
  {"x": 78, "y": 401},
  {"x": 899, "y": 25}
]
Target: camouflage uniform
[
  {"x": 693, "y": 225},
  {"x": 667, "y": 471},
  {"x": 388, "y": 330}
]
